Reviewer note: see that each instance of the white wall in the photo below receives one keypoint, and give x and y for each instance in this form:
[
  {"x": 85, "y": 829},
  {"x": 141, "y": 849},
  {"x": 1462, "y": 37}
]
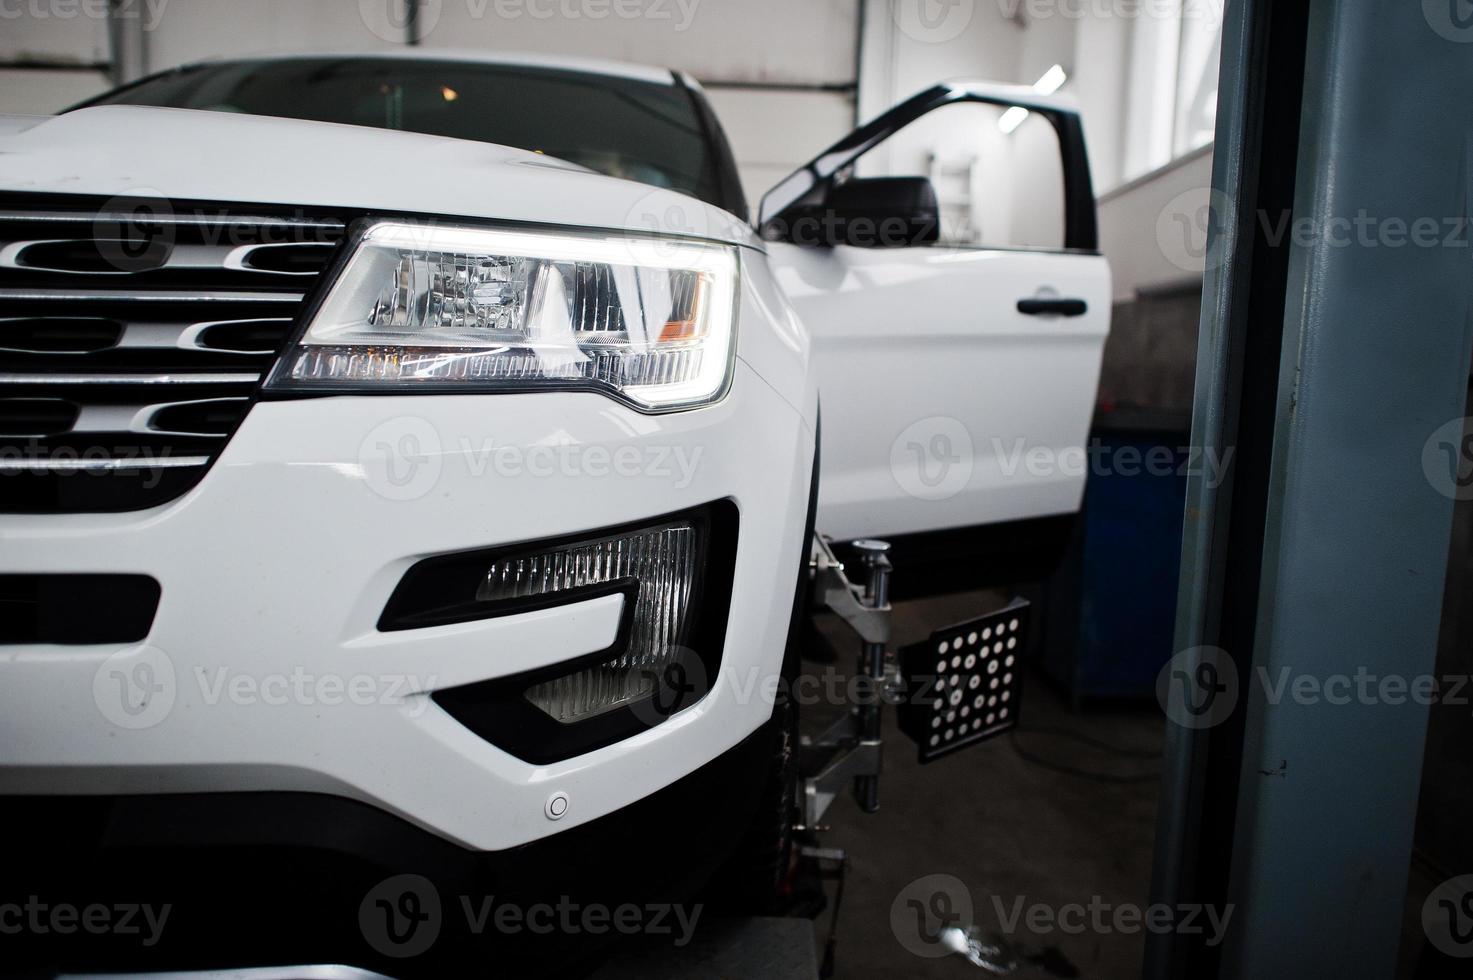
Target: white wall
[
  {"x": 775, "y": 133},
  {"x": 807, "y": 48},
  {"x": 1153, "y": 229},
  {"x": 64, "y": 36}
]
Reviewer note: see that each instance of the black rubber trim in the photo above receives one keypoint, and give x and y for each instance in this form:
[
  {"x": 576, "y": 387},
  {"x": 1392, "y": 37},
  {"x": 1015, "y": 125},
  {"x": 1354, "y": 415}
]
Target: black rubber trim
[{"x": 77, "y": 609}]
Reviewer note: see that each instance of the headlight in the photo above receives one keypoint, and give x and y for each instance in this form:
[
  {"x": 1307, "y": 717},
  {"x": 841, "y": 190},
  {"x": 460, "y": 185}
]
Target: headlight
[{"x": 426, "y": 307}]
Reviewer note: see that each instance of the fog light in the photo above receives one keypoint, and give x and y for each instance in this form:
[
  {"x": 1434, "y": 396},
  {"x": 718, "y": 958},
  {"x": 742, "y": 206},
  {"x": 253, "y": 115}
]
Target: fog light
[
  {"x": 657, "y": 567},
  {"x": 675, "y": 574}
]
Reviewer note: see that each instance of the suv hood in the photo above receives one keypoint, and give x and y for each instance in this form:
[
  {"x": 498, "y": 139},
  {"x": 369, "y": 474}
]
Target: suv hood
[{"x": 186, "y": 154}]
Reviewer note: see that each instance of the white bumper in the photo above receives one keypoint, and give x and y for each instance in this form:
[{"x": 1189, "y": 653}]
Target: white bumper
[{"x": 267, "y": 670}]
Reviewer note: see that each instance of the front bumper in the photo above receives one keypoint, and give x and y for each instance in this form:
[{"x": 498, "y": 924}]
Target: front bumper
[{"x": 264, "y": 670}]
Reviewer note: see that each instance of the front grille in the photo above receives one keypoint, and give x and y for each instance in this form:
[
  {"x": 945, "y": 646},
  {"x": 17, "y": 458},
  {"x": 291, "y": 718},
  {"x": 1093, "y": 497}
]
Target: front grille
[{"x": 134, "y": 335}]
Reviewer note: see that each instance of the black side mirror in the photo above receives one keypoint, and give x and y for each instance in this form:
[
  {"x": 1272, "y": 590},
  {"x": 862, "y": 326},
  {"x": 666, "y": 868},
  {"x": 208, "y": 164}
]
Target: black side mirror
[{"x": 874, "y": 212}]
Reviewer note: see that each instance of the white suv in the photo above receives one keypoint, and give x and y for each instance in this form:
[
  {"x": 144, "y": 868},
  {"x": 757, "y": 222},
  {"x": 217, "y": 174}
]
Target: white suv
[{"x": 408, "y": 465}]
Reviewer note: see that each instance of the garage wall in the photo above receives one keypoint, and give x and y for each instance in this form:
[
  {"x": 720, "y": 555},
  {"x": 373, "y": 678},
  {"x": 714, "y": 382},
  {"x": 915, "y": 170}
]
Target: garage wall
[
  {"x": 1153, "y": 229},
  {"x": 782, "y": 73},
  {"x": 62, "y": 55}
]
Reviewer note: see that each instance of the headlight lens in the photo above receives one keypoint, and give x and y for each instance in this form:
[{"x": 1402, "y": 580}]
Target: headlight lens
[{"x": 451, "y": 308}]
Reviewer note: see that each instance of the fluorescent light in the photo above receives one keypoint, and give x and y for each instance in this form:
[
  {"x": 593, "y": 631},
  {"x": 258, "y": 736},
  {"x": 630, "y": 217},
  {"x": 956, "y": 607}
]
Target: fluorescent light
[
  {"x": 1012, "y": 119},
  {"x": 1052, "y": 81}
]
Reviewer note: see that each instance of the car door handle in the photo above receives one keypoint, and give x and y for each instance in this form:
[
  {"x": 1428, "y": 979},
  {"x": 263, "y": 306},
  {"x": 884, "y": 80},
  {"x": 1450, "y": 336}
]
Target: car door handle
[{"x": 1034, "y": 306}]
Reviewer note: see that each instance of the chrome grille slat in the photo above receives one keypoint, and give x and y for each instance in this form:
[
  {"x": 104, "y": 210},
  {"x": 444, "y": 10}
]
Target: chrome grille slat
[
  {"x": 143, "y": 296},
  {"x": 103, "y": 465},
  {"x": 149, "y": 335},
  {"x": 131, "y": 346},
  {"x": 129, "y": 379},
  {"x": 15, "y": 255},
  {"x": 124, "y": 217}
]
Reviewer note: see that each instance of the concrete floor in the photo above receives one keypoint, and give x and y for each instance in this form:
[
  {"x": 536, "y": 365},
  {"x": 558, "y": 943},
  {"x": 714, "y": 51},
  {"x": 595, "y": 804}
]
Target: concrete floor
[{"x": 1010, "y": 829}]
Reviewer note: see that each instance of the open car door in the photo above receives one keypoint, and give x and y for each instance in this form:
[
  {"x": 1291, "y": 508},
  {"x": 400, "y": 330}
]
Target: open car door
[{"x": 958, "y": 315}]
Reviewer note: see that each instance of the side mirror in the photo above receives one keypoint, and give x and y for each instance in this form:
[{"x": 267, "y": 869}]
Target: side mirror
[{"x": 874, "y": 212}]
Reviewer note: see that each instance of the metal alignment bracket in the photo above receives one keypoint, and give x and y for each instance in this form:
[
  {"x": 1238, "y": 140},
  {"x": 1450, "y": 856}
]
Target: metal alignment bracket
[
  {"x": 849, "y": 751},
  {"x": 842, "y": 756},
  {"x": 833, "y": 591}
]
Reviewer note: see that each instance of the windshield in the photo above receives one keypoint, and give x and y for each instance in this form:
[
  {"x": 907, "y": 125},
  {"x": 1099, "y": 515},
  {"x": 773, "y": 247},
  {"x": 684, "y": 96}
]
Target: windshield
[{"x": 652, "y": 132}]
